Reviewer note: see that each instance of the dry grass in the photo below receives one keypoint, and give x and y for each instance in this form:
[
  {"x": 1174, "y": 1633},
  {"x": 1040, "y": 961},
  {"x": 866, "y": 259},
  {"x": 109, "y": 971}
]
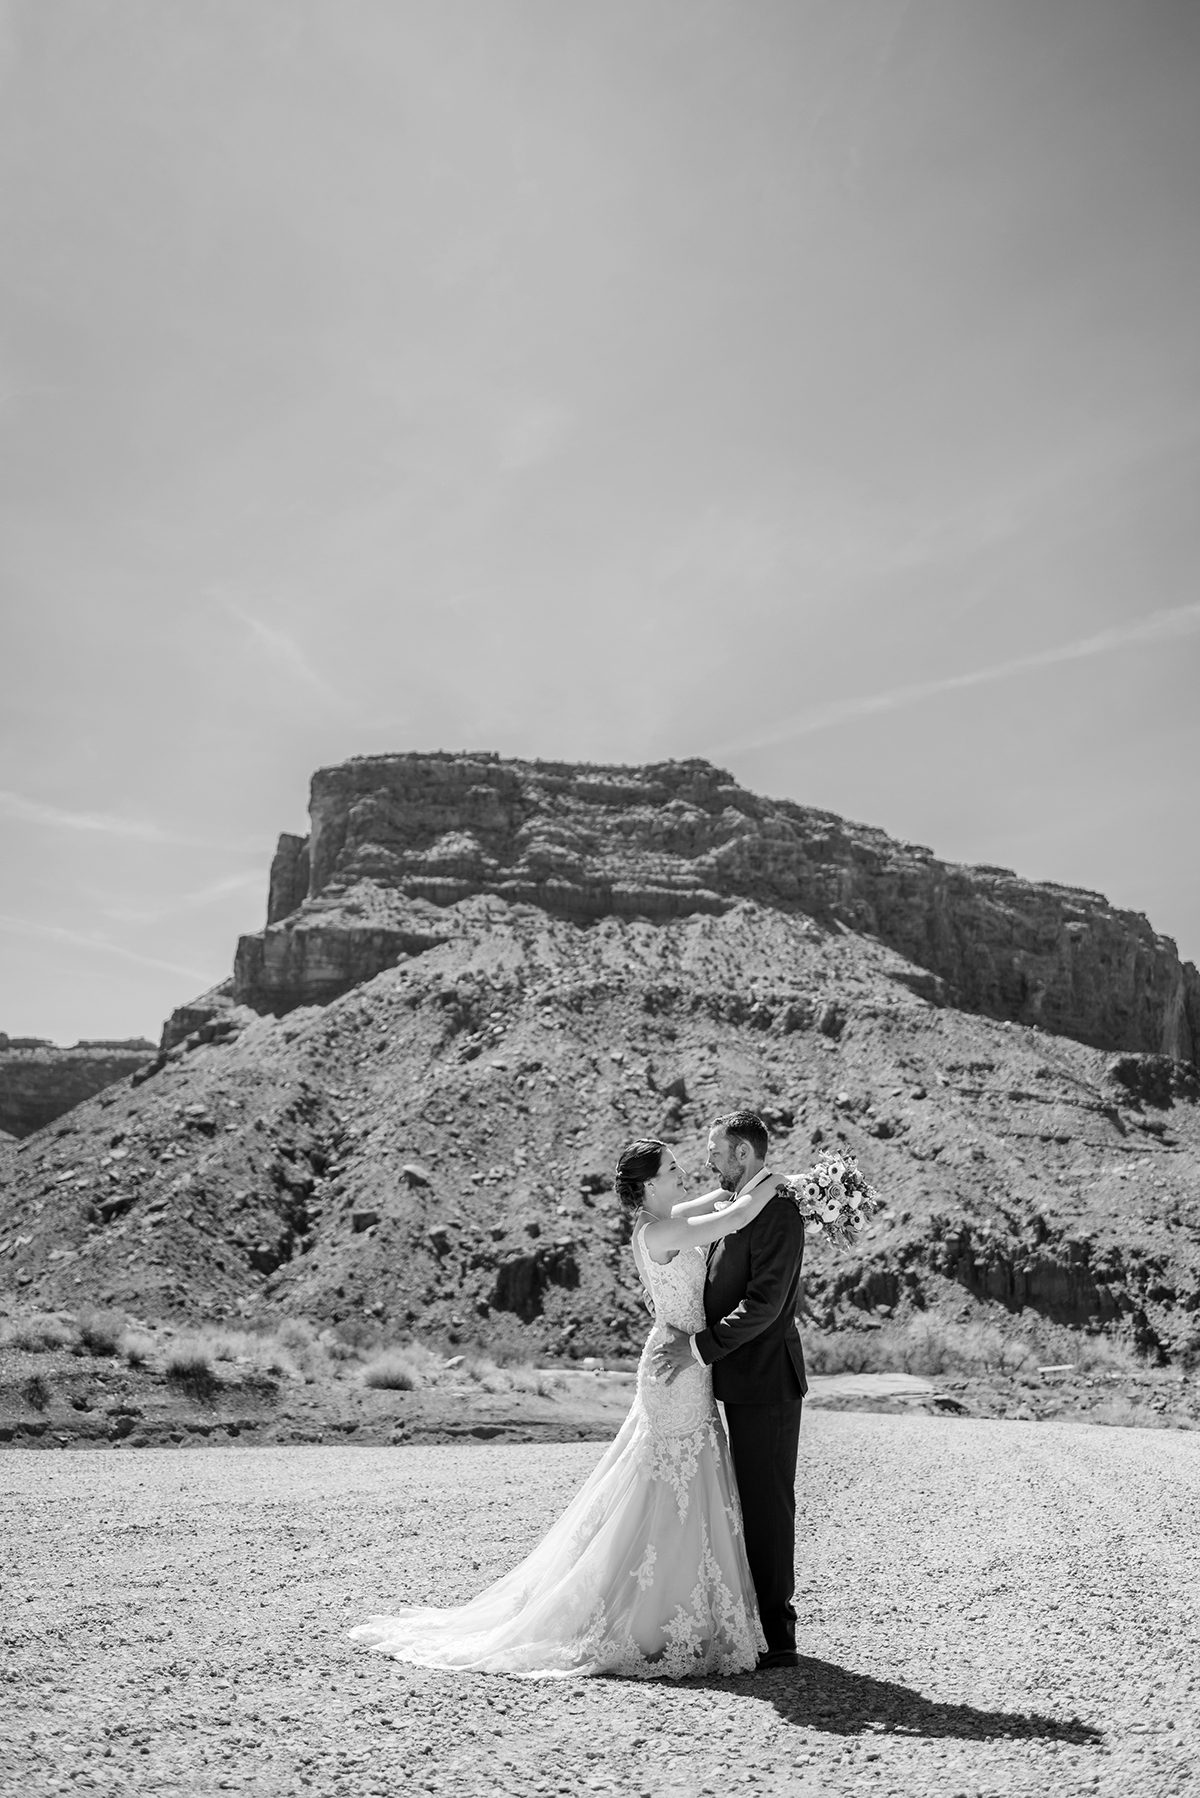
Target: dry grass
[
  {"x": 36, "y": 1391},
  {"x": 100, "y": 1332},
  {"x": 1127, "y": 1414},
  {"x": 246, "y": 1348},
  {"x": 136, "y": 1348},
  {"x": 404, "y": 1369},
  {"x": 188, "y": 1365},
  {"x": 298, "y": 1341},
  {"x": 494, "y": 1378},
  {"x": 359, "y": 1334},
  {"x": 41, "y": 1336},
  {"x": 932, "y": 1346},
  {"x": 289, "y": 1352}
]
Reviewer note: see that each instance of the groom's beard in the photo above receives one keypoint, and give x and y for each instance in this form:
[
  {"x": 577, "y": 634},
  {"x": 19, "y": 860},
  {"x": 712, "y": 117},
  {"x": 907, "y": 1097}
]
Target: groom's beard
[{"x": 728, "y": 1182}]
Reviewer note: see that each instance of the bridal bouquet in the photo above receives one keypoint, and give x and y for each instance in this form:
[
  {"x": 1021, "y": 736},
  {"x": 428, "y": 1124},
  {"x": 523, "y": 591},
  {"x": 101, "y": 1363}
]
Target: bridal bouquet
[{"x": 833, "y": 1195}]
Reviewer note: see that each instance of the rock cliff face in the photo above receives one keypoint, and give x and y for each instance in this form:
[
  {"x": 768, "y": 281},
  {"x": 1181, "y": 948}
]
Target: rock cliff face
[
  {"x": 38, "y": 1082},
  {"x": 398, "y": 840}
]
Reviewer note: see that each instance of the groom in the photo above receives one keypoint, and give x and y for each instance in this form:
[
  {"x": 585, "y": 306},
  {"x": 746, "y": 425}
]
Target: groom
[{"x": 753, "y": 1348}]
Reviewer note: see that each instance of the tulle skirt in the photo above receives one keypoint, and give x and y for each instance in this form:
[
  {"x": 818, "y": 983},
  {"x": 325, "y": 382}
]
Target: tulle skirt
[{"x": 644, "y": 1575}]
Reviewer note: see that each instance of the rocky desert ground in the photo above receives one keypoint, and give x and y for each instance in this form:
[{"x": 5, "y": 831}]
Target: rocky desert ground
[{"x": 997, "y": 1610}]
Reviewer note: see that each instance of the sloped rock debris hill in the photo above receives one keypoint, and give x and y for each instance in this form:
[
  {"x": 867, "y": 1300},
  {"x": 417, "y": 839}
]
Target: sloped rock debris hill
[
  {"x": 431, "y": 1149},
  {"x": 396, "y": 840}
]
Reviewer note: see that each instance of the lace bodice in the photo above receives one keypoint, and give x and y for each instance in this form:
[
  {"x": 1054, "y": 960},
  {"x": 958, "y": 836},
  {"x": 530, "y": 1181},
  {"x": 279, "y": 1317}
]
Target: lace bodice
[
  {"x": 676, "y": 1287},
  {"x": 682, "y": 1407}
]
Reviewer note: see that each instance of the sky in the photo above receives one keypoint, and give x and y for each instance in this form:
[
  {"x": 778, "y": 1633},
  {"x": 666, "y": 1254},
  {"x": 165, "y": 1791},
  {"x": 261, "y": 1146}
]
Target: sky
[{"x": 811, "y": 385}]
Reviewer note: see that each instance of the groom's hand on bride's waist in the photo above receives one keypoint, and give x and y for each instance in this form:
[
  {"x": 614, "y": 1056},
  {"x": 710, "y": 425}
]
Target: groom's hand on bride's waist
[{"x": 673, "y": 1356}]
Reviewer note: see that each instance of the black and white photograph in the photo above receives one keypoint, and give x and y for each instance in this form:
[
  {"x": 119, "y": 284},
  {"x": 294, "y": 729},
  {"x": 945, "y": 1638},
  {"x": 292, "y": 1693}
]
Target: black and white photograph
[{"x": 599, "y": 898}]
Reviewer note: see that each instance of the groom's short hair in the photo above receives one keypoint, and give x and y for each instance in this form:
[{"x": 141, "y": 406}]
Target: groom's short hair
[{"x": 747, "y": 1126}]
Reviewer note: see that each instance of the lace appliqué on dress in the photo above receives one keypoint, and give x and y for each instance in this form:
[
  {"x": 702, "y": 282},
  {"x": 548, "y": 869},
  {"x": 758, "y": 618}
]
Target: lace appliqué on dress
[{"x": 645, "y": 1573}]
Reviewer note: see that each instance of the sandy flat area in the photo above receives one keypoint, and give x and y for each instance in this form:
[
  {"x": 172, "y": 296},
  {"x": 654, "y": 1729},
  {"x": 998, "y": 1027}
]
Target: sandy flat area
[{"x": 986, "y": 1608}]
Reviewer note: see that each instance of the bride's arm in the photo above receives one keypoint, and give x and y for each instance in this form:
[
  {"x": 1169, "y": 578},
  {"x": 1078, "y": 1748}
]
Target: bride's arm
[
  {"x": 706, "y": 1203},
  {"x": 675, "y": 1232}
]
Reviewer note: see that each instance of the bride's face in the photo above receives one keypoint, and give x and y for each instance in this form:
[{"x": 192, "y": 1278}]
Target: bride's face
[{"x": 667, "y": 1188}]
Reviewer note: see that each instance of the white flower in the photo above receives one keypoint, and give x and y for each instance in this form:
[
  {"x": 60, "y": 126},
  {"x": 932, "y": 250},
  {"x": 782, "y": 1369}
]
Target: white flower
[{"x": 830, "y": 1211}]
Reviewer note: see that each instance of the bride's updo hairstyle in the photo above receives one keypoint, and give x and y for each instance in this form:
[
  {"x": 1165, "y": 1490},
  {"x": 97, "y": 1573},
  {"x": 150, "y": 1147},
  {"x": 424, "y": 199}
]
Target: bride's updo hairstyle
[{"x": 635, "y": 1165}]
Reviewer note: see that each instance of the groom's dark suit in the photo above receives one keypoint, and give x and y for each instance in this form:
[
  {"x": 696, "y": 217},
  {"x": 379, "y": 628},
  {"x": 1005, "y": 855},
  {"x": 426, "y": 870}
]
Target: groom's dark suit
[{"x": 757, "y": 1363}]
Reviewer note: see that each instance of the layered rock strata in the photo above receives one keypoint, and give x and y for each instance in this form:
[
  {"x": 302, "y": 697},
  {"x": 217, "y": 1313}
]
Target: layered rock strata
[
  {"x": 39, "y": 1082},
  {"x": 397, "y": 840}
]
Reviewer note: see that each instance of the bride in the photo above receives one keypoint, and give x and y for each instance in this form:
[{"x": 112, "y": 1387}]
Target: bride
[{"x": 645, "y": 1573}]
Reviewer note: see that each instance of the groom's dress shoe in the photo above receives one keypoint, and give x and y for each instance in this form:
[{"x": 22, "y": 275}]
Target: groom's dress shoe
[{"x": 777, "y": 1657}]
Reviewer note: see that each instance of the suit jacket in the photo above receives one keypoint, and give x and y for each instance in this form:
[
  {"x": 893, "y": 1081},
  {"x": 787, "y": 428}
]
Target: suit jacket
[{"x": 751, "y": 1342}]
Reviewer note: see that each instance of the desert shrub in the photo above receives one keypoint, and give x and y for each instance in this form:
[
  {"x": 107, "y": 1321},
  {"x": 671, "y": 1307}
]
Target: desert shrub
[
  {"x": 337, "y": 1350},
  {"x": 358, "y": 1332},
  {"x": 296, "y": 1334},
  {"x": 136, "y": 1348},
  {"x": 411, "y": 1362},
  {"x": 396, "y": 1371},
  {"x": 507, "y": 1354},
  {"x": 297, "y": 1342},
  {"x": 1126, "y": 1414},
  {"x": 512, "y": 1378},
  {"x": 36, "y": 1391},
  {"x": 925, "y": 1344},
  {"x": 535, "y": 1379},
  {"x": 1100, "y": 1354},
  {"x": 100, "y": 1332},
  {"x": 39, "y": 1337},
  {"x": 188, "y": 1365},
  {"x": 844, "y": 1351},
  {"x": 276, "y": 1360},
  {"x": 262, "y": 1352},
  {"x": 484, "y": 1371},
  {"x": 225, "y": 1345}
]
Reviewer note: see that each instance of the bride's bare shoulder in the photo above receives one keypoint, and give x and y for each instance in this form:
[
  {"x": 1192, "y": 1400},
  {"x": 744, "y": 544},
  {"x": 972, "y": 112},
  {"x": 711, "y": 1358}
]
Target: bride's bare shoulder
[{"x": 652, "y": 1240}]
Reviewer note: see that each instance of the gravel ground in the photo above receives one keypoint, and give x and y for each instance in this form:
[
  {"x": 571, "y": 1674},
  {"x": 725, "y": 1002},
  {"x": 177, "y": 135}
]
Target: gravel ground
[{"x": 986, "y": 1608}]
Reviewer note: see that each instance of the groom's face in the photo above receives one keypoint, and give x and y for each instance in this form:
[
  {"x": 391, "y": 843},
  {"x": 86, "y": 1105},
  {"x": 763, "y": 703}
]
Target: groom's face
[{"x": 723, "y": 1160}]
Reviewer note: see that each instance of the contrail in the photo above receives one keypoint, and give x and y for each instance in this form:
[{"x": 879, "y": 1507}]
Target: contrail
[
  {"x": 57, "y": 933},
  {"x": 216, "y": 890},
  {"x": 283, "y": 651},
  {"x": 33, "y": 811},
  {"x": 1180, "y": 621},
  {"x": 53, "y": 817}
]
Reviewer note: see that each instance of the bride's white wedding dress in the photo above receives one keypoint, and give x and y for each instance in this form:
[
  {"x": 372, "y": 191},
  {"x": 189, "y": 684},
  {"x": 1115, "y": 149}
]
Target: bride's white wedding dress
[{"x": 645, "y": 1573}]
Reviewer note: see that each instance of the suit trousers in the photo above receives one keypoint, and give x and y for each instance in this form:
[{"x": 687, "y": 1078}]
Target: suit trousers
[{"x": 764, "y": 1441}]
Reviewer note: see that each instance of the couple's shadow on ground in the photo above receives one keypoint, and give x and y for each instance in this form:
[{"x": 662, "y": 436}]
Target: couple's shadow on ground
[{"x": 819, "y": 1695}]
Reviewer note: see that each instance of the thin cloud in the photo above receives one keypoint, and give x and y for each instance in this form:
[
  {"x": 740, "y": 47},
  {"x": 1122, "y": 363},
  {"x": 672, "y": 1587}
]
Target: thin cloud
[
  {"x": 34, "y": 811},
  {"x": 283, "y": 652},
  {"x": 132, "y": 830},
  {"x": 1180, "y": 621},
  {"x": 210, "y": 894},
  {"x": 57, "y": 933}
]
